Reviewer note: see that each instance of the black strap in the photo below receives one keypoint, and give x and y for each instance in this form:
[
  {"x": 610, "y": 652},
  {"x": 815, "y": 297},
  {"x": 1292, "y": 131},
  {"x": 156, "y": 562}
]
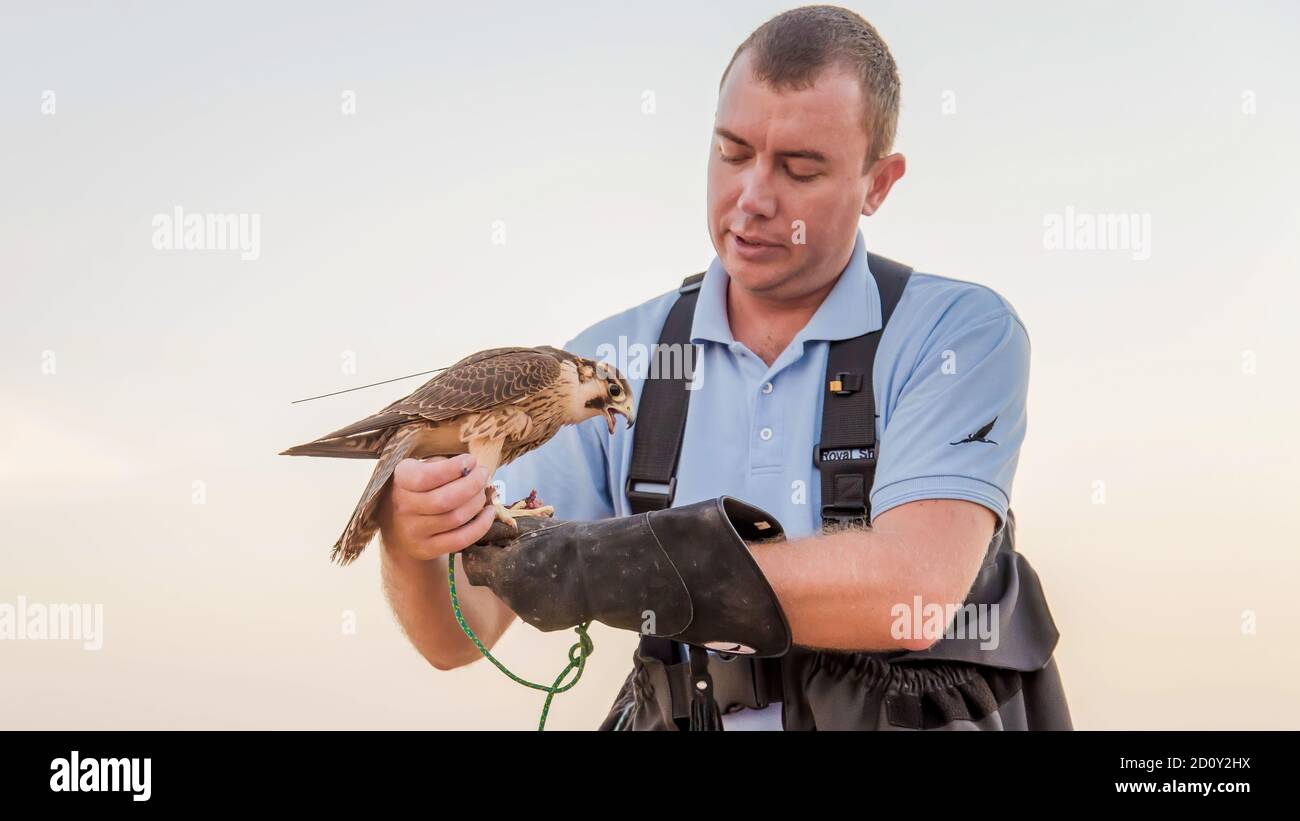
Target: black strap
[
  {"x": 661, "y": 415},
  {"x": 846, "y": 454}
]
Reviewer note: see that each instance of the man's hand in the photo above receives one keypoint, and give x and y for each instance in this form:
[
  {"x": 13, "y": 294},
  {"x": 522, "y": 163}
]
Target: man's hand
[{"x": 435, "y": 507}]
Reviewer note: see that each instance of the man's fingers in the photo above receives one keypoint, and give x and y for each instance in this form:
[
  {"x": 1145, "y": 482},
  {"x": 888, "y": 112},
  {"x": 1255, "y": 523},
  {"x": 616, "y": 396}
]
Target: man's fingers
[
  {"x": 432, "y": 525},
  {"x": 462, "y": 537},
  {"x": 419, "y": 476},
  {"x": 442, "y": 500}
]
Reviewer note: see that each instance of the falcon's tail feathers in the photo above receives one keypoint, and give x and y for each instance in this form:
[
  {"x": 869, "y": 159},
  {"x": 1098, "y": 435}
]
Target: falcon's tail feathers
[
  {"x": 362, "y": 526},
  {"x": 364, "y": 446}
]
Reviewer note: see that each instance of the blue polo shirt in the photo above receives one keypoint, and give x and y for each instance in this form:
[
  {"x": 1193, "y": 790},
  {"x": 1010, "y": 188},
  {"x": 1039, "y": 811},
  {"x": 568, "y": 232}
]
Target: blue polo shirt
[{"x": 950, "y": 379}]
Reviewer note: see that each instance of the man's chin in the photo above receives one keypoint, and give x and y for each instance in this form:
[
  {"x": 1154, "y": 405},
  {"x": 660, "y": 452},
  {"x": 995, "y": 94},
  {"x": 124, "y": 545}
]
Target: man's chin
[{"x": 756, "y": 277}]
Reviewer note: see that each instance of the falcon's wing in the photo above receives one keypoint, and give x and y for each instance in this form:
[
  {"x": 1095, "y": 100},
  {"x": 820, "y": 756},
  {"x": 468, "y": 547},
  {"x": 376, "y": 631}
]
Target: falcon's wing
[
  {"x": 478, "y": 382},
  {"x": 986, "y": 430}
]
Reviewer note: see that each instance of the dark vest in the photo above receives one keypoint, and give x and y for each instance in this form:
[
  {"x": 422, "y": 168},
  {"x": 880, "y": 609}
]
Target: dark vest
[{"x": 954, "y": 680}]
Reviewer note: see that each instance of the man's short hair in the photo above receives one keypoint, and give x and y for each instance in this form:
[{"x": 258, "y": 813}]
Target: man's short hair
[{"x": 791, "y": 50}]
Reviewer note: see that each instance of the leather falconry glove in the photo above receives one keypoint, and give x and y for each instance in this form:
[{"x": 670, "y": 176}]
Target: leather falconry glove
[{"x": 683, "y": 573}]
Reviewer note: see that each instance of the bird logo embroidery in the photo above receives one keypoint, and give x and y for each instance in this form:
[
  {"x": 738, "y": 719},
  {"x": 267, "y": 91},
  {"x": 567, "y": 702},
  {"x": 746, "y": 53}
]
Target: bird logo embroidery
[
  {"x": 496, "y": 404},
  {"x": 979, "y": 435}
]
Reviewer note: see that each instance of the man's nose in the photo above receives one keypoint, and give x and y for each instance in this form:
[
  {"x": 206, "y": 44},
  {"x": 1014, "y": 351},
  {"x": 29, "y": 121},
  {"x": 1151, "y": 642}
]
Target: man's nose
[{"x": 757, "y": 195}]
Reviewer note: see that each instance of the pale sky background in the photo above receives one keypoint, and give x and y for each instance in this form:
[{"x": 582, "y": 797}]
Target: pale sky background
[{"x": 1172, "y": 380}]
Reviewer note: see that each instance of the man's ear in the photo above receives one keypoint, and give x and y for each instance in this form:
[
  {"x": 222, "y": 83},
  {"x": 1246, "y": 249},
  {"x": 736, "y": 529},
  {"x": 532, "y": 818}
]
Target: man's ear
[{"x": 884, "y": 172}]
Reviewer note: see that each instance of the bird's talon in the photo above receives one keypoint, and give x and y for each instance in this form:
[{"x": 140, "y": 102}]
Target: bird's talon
[{"x": 510, "y": 515}]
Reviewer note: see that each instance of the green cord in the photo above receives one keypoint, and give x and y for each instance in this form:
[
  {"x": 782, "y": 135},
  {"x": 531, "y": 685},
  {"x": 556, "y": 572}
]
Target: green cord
[{"x": 583, "y": 648}]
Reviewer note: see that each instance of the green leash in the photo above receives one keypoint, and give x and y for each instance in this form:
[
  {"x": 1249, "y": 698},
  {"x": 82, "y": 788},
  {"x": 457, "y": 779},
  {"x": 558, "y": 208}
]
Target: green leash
[{"x": 582, "y": 649}]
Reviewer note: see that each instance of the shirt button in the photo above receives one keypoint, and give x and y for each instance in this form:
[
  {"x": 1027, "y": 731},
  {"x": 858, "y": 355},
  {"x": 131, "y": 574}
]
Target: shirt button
[
  {"x": 767, "y": 387},
  {"x": 765, "y": 434}
]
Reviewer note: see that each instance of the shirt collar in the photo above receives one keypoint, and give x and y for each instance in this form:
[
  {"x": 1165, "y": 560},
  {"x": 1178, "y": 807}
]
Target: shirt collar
[{"x": 852, "y": 308}]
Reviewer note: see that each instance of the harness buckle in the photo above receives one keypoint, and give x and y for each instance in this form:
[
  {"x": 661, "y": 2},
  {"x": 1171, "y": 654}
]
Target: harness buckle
[
  {"x": 655, "y": 495},
  {"x": 847, "y": 487}
]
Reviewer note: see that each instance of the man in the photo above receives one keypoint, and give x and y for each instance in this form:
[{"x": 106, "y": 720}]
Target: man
[{"x": 801, "y": 150}]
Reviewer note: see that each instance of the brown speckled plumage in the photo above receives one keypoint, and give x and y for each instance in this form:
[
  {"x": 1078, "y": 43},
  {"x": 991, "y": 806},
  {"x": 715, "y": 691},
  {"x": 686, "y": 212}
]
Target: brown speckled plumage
[{"x": 497, "y": 404}]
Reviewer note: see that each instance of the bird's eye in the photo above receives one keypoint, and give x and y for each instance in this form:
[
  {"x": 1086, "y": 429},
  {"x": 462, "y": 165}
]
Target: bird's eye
[{"x": 615, "y": 390}]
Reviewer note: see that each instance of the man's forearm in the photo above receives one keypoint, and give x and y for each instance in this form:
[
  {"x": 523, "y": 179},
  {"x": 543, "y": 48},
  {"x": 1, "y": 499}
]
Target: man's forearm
[
  {"x": 417, "y": 592},
  {"x": 838, "y": 591}
]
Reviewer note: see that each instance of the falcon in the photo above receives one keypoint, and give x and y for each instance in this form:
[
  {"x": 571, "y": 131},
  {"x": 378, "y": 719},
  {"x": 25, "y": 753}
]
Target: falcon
[{"x": 496, "y": 404}]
